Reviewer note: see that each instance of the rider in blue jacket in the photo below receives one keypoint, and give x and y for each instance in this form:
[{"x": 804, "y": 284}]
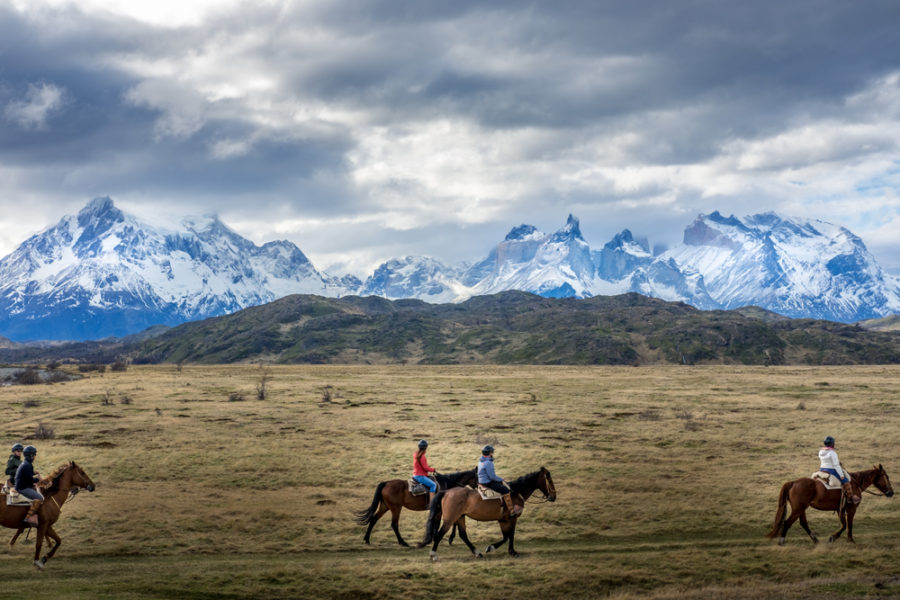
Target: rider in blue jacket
[
  {"x": 488, "y": 478},
  {"x": 25, "y": 480}
]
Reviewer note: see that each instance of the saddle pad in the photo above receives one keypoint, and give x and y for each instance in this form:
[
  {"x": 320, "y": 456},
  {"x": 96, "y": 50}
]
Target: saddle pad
[
  {"x": 488, "y": 494},
  {"x": 14, "y": 498},
  {"x": 830, "y": 481},
  {"x": 416, "y": 488}
]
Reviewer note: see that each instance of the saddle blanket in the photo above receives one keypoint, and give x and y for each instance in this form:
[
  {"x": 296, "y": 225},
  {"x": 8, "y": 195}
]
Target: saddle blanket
[
  {"x": 14, "y": 498},
  {"x": 488, "y": 494},
  {"x": 416, "y": 488},
  {"x": 830, "y": 481}
]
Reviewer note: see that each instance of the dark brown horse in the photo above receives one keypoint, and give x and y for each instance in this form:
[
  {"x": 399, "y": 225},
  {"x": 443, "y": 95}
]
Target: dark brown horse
[
  {"x": 65, "y": 480},
  {"x": 805, "y": 492},
  {"x": 394, "y": 496},
  {"x": 457, "y": 504}
]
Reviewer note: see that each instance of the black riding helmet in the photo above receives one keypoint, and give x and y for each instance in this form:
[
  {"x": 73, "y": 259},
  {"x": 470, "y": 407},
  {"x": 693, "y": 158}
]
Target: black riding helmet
[
  {"x": 829, "y": 442},
  {"x": 423, "y": 444},
  {"x": 487, "y": 450},
  {"x": 30, "y": 451},
  {"x": 17, "y": 446}
]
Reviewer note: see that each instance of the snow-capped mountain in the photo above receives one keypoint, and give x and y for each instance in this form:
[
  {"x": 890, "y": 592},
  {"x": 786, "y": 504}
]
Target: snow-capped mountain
[
  {"x": 792, "y": 266},
  {"x": 419, "y": 277},
  {"x": 555, "y": 266},
  {"x": 106, "y": 273}
]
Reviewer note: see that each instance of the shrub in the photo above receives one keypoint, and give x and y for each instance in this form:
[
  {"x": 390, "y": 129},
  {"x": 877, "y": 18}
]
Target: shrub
[
  {"x": 29, "y": 376},
  {"x": 44, "y": 432},
  {"x": 235, "y": 397},
  {"x": 119, "y": 366}
]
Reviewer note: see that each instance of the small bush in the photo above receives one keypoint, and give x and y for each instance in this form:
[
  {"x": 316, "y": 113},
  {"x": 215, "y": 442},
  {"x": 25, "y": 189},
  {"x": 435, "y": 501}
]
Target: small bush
[
  {"x": 30, "y": 404},
  {"x": 125, "y": 399},
  {"x": 29, "y": 376},
  {"x": 107, "y": 399},
  {"x": 89, "y": 368},
  {"x": 119, "y": 366},
  {"x": 44, "y": 432},
  {"x": 235, "y": 397}
]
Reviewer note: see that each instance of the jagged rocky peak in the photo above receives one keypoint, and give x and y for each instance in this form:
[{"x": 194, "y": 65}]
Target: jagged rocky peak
[
  {"x": 572, "y": 228},
  {"x": 625, "y": 239},
  {"x": 523, "y": 232},
  {"x": 710, "y": 230}
]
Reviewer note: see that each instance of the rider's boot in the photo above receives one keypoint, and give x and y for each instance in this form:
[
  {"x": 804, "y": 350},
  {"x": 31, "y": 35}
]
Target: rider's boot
[
  {"x": 848, "y": 491},
  {"x": 31, "y": 517},
  {"x": 513, "y": 510}
]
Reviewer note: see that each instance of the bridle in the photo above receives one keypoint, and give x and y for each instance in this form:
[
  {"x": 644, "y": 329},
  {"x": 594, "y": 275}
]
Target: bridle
[{"x": 550, "y": 487}]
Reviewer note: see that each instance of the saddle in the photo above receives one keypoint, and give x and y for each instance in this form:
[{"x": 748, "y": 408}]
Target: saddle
[
  {"x": 14, "y": 498},
  {"x": 416, "y": 488},
  {"x": 828, "y": 480},
  {"x": 488, "y": 494}
]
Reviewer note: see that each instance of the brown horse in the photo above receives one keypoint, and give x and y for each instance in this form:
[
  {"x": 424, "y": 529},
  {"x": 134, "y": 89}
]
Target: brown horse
[
  {"x": 65, "y": 480},
  {"x": 457, "y": 504},
  {"x": 394, "y": 496},
  {"x": 805, "y": 492}
]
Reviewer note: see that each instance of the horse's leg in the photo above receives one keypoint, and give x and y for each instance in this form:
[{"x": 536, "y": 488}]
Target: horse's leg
[
  {"x": 382, "y": 508},
  {"x": 843, "y": 517},
  {"x": 496, "y": 545},
  {"x": 52, "y": 535},
  {"x": 461, "y": 528},
  {"x": 512, "y": 537},
  {"x": 37, "y": 546},
  {"x": 395, "y": 523},
  {"x": 851, "y": 510},
  {"x": 15, "y": 537},
  {"x": 806, "y": 528}
]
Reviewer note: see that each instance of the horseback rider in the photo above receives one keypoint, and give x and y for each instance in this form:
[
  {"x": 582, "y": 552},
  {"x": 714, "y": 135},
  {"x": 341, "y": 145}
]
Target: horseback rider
[
  {"x": 12, "y": 465},
  {"x": 828, "y": 462},
  {"x": 421, "y": 469},
  {"x": 26, "y": 477},
  {"x": 489, "y": 479}
]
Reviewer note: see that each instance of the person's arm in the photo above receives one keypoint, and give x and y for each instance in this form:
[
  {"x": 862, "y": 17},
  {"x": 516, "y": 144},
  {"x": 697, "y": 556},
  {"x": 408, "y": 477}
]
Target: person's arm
[{"x": 837, "y": 465}]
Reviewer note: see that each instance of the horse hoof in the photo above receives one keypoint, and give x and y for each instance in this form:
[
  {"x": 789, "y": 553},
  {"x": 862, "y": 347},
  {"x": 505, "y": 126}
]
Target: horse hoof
[
  {"x": 489, "y": 549},
  {"x": 830, "y": 538},
  {"x": 514, "y": 555},
  {"x": 781, "y": 541},
  {"x": 479, "y": 555},
  {"x": 434, "y": 556},
  {"x": 39, "y": 564}
]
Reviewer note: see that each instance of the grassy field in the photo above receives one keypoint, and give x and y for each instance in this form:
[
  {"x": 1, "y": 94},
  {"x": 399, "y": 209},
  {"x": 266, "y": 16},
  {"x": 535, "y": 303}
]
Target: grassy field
[{"x": 667, "y": 480}]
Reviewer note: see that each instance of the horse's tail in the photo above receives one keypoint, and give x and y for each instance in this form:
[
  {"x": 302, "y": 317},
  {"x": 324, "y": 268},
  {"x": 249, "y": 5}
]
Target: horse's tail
[
  {"x": 781, "y": 513},
  {"x": 363, "y": 517},
  {"x": 435, "y": 512}
]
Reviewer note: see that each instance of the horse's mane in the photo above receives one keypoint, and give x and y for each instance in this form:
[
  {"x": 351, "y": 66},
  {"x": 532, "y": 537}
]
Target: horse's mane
[
  {"x": 525, "y": 481},
  {"x": 455, "y": 477},
  {"x": 50, "y": 483}
]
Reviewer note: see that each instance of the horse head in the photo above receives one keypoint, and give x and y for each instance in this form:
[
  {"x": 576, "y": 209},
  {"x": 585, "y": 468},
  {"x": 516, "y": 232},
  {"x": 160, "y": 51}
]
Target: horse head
[
  {"x": 80, "y": 478},
  {"x": 545, "y": 483},
  {"x": 882, "y": 482}
]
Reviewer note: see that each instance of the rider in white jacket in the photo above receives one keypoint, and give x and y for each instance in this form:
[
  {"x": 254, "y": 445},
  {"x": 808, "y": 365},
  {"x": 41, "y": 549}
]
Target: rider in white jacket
[{"x": 829, "y": 462}]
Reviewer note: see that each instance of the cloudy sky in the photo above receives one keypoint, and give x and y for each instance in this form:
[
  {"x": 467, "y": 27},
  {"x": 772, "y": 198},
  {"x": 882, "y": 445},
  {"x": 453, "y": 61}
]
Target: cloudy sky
[{"x": 374, "y": 129}]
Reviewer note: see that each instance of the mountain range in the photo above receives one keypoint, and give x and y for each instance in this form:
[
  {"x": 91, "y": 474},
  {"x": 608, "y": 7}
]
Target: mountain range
[{"x": 104, "y": 272}]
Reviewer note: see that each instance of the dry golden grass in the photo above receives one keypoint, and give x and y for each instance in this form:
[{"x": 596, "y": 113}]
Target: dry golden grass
[{"x": 667, "y": 480}]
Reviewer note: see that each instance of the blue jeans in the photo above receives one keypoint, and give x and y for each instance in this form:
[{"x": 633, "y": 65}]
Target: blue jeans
[
  {"x": 835, "y": 473},
  {"x": 427, "y": 482},
  {"x": 31, "y": 494}
]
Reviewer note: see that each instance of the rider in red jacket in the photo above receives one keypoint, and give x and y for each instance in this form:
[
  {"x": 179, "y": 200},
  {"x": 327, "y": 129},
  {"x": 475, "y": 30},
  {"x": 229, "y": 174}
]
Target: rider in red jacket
[{"x": 421, "y": 469}]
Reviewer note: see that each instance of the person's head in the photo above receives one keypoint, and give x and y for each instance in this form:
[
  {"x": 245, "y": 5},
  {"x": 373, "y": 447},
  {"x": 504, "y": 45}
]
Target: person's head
[
  {"x": 829, "y": 442},
  {"x": 422, "y": 445},
  {"x": 30, "y": 452},
  {"x": 17, "y": 448},
  {"x": 488, "y": 450}
]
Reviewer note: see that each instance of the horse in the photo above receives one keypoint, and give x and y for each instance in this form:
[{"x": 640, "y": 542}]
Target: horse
[
  {"x": 805, "y": 492},
  {"x": 393, "y": 495},
  {"x": 458, "y": 503},
  {"x": 68, "y": 478}
]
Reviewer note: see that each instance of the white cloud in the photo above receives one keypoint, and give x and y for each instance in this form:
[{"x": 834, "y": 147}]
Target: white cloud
[{"x": 41, "y": 101}]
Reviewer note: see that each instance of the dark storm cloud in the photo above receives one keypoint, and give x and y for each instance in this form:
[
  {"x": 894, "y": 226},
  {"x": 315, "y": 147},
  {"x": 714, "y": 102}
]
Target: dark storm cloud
[{"x": 440, "y": 112}]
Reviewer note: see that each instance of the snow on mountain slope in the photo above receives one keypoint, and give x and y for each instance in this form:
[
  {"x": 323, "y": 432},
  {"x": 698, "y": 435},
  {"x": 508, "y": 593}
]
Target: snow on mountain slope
[
  {"x": 556, "y": 266},
  {"x": 419, "y": 277},
  {"x": 796, "y": 267},
  {"x": 103, "y": 272}
]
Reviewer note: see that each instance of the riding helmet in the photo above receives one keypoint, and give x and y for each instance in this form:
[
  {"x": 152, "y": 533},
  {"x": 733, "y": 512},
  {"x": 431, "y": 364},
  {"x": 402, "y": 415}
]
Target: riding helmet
[
  {"x": 17, "y": 446},
  {"x": 487, "y": 449},
  {"x": 829, "y": 442},
  {"x": 423, "y": 444},
  {"x": 30, "y": 451}
]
